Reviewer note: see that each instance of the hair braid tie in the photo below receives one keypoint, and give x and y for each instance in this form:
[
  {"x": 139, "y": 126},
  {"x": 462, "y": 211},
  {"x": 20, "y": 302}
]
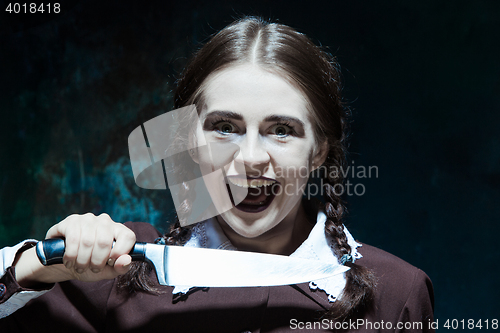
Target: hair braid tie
[{"x": 346, "y": 258}]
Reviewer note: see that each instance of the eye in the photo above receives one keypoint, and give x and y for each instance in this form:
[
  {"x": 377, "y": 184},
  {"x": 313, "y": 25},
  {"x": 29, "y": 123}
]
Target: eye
[
  {"x": 281, "y": 130},
  {"x": 225, "y": 128}
]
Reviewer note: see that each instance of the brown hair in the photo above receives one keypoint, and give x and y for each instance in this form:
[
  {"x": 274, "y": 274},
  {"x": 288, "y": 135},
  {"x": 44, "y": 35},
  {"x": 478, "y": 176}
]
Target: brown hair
[{"x": 293, "y": 55}]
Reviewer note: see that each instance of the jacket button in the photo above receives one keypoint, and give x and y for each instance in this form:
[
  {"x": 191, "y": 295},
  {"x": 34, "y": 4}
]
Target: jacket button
[{"x": 2, "y": 290}]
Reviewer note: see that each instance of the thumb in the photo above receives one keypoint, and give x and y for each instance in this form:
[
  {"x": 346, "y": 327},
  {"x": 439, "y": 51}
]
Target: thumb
[{"x": 122, "y": 264}]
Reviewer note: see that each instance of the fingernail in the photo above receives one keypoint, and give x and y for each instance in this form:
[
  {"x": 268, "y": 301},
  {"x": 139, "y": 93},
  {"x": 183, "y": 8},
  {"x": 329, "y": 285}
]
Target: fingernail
[
  {"x": 96, "y": 270},
  {"x": 79, "y": 270},
  {"x": 68, "y": 264},
  {"x": 111, "y": 262}
]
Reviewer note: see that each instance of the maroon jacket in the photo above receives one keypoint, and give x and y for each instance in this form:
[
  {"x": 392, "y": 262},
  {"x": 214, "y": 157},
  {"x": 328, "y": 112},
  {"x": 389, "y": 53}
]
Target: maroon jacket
[{"x": 404, "y": 297}]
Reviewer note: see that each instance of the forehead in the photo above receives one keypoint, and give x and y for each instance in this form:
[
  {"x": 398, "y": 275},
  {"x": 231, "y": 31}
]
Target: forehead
[{"x": 254, "y": 93}]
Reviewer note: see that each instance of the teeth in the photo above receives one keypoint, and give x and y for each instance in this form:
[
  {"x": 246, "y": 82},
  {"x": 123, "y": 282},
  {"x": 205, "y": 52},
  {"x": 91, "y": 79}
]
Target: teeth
[{"x": 252, "y": 183}]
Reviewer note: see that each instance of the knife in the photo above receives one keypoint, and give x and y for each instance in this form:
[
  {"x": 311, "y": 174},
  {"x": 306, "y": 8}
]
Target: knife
[{"x": 189, "y": 266}]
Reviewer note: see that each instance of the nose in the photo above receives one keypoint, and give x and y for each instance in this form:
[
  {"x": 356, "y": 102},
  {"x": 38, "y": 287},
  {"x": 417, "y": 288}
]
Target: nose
[{"x": 253, "y": 153}]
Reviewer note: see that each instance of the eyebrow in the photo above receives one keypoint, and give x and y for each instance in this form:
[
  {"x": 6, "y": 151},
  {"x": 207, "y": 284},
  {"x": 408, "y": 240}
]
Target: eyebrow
[
  {"x": 284, "y": 119},
  {"x": 272, "y": 118},
  {"x": 225, "y": 114}
]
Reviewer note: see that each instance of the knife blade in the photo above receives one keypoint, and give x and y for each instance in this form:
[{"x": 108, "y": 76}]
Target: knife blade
[{"x": 200, "y": 267}]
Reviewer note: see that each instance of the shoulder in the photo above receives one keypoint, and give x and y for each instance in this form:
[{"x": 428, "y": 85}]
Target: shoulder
[
  {"x": 399, "y": 283},
  {"x": 389, "y": 268},
  {"x": 144, "y": 232},
  {"x": 380, "y": 260}
]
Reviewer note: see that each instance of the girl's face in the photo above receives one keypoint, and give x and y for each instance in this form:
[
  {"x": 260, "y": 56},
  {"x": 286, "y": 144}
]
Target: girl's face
[{"x": 261, "y": 134}]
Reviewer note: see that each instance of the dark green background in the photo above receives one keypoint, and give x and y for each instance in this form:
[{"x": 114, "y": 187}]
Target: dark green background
[{"x": 422, "y": 77}]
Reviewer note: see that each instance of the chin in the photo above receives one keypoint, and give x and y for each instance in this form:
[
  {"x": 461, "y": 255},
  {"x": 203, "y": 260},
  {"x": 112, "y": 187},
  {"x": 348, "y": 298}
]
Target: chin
[{"x": 248, "y": 228}]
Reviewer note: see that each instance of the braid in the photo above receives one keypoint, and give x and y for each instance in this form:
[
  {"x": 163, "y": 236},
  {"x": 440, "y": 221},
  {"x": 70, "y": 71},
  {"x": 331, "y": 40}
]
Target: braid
[
  {"x": 334, "y": 227},
  {"x": 360, "y": 281},
  {"x": 177, "y": 235}
]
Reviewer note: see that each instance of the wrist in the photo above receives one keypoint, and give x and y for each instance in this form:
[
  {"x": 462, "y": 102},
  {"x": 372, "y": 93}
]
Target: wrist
[{"x": 30, "y": 273}]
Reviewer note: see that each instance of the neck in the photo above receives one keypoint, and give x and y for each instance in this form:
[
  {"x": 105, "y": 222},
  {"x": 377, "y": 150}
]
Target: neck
[{"x": 283, "y": 239}]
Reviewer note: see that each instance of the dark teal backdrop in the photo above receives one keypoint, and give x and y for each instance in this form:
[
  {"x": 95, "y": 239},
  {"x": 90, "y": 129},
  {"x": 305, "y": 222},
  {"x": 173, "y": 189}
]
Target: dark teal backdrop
[{"x": 422, "y": 78}]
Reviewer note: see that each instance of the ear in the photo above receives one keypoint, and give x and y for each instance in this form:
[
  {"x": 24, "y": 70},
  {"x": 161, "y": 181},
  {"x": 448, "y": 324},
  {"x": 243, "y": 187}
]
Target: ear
[
  {"x": 193, "y": 152},
  {"x": 320, "y": 154},
  {"x": 192, "y": 148}
]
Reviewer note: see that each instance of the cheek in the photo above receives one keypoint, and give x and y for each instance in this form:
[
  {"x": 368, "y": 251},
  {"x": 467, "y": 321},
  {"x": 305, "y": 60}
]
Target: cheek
[
  {"x": 295, "y": 163},
  {"x": 215, "y": 156}
]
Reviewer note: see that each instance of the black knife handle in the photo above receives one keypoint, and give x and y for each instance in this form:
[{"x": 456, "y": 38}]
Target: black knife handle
[
  {"x": 51, "y": 251},
  {"x": 138, "y": 252}
]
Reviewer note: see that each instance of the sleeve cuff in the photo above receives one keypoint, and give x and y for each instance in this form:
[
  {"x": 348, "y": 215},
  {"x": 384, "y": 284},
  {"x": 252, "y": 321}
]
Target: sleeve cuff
[
  {"x": 9, "y": 253},
  {"x": 12, "y": 295}
]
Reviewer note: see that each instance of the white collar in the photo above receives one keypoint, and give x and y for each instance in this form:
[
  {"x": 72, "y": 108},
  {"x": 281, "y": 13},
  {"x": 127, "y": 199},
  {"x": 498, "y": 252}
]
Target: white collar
[{"x": 317, "y": 246}]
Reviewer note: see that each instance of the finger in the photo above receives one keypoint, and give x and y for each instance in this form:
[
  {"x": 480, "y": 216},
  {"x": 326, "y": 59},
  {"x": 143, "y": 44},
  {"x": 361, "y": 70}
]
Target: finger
[
  {"x": 69, "y": 230},
  {"x": 87, "y": 240},
  {"x": 102, "y": 248},
  {"x": 72, "y": 244},
  {"x": 122, "y": 264},
  {"x": 57, "y": 230},
  {"x": 54, "y": 231},
  {"x": 125, "y": 241}
]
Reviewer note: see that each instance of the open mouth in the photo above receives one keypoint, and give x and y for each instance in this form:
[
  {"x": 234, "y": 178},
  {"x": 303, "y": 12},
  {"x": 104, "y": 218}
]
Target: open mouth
[{"x": 261, "y": 192}]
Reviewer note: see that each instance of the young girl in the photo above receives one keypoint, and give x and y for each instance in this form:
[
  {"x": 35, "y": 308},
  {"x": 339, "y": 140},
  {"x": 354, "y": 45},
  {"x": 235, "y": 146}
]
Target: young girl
[{"x": 268, "y": 90}]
